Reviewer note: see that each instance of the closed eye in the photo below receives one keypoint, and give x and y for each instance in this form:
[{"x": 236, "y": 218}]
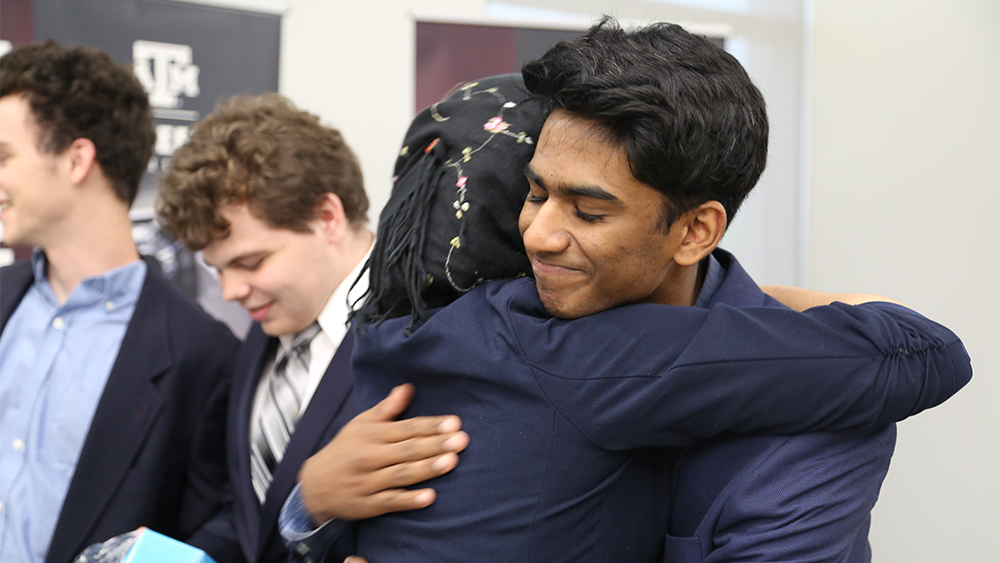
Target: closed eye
[
  {"x": 249, "y": 262},
  {"x": 590, "y": 218},
  {"x": 251, "y": 265}
]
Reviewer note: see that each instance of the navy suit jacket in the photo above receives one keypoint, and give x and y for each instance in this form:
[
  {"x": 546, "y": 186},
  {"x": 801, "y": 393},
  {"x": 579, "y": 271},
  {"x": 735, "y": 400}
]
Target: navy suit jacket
[
  {"x": 246, "y": 530},
  {"x": 805, "y": 498},
  {"x": 152, "y": 456},
  {"x": 568, "y": 418}
]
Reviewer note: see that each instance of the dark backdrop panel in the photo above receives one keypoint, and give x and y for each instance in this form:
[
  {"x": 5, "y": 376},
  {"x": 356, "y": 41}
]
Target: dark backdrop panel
[
  {"x": 450, "y": 54},
  {"x": 532, "y": 43},
  {"x": 16, "y": 21},
  {"x": 189, "y": 57},
  {"x": 234, "y": 51}
]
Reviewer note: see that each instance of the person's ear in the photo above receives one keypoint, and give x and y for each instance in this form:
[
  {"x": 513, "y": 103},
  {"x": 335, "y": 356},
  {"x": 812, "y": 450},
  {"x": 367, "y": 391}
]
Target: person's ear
[
  {"x": 703, "y": 228},
  {"x": 81, "y": 159},
  {"x": 330, "y": 216}
]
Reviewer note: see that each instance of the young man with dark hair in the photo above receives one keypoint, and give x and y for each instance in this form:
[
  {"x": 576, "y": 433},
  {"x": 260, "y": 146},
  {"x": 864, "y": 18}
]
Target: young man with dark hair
[
  {"x": 660, "y": 116},
  {"x": 112, "y": 384},
  {"x": 570, "y": 417},
  {"x": 276, "y": 203}
]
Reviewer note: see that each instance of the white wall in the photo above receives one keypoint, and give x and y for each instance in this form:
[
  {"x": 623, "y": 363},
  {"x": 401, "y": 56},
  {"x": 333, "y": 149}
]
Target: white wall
[
  {"x": 905, "y": 190},
  {"x": 352, "y": 63}
]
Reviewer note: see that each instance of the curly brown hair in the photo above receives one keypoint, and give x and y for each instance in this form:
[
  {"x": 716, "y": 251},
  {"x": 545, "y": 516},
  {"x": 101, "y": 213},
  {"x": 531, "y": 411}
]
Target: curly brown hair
[
  {"x": 263, "y": 152},
  {"x": 80, "y": 92}
]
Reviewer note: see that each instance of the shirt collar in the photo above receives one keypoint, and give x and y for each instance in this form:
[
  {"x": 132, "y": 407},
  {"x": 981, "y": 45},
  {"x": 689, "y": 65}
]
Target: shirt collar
[
  {"x": 713, "y": 277},
  {"x": 117, "y": 287}
]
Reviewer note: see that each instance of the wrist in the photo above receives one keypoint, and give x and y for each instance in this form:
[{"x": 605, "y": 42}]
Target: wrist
[{"x": 311, "y": 498}]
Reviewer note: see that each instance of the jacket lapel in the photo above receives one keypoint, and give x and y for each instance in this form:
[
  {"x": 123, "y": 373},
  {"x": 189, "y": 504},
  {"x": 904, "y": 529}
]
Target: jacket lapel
[
  {"x": 258, "y": 347},
  {"x": 129, "y": 405},
  {"x": 330, "y": 398},
  {"x": 15, "y": 280}
]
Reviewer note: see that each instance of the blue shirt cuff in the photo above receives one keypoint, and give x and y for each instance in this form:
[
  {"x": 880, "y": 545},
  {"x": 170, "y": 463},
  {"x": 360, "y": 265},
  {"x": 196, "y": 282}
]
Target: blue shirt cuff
[{"x": 300, "y": 535}]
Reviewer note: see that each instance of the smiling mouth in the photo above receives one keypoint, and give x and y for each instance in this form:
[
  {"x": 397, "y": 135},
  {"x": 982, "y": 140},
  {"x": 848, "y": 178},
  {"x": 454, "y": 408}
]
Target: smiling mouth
[
  {"x": 551, "y": 269},
  {"x": 259, "y": 313}
]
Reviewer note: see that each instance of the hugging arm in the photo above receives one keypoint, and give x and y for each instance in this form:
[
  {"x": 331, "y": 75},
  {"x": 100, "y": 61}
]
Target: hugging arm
[
  {"x": 364, "y": 471},
  {"x": 670, "y": 376}
]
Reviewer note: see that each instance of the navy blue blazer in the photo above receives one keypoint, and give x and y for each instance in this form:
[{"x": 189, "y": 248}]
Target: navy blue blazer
[
  {"x": 153, "y": 454},
  {"x": 563, "y": 414},
  {"x": 801, "y": 498},
  {"x": 246, "y": 530}
]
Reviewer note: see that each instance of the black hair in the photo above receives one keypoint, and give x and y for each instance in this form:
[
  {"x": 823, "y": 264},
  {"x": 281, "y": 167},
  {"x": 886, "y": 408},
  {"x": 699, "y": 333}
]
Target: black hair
[{"x": 692, "y": 123}]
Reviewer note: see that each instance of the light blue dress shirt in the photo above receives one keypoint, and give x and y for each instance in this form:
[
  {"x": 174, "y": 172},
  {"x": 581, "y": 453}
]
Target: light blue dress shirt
[{"x": 54, "y": 362}]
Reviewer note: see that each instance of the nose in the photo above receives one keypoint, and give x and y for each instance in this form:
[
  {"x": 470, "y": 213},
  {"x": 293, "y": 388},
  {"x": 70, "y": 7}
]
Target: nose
[
  {"x": 543, "y": 229},
  {"x": 234, "y": 286}
]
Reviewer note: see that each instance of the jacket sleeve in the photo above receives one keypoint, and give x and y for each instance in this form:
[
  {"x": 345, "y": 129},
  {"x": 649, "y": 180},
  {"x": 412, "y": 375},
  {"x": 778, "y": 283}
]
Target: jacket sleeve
[
  {"x": 217, "y": 537},
  {"x": 654, "y": 375},
  {"x": 807, "y": 500},
  {"x": 206, "y": 517}
]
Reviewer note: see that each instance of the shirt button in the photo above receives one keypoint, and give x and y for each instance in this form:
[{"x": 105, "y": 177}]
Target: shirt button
[
  {"x": 58, "y": 323},
  {"x": 1, "y": 507},
  {"x": 110, "y": 305},
  {"x": 18, "y": 445}
]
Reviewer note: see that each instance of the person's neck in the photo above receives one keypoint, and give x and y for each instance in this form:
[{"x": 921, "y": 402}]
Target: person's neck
[
  {"x": 90, "y": 243},
  {"x": 345, "y": 257},
  {"x": 681, "y": 286},
  {"x": 357, "y": 244}
]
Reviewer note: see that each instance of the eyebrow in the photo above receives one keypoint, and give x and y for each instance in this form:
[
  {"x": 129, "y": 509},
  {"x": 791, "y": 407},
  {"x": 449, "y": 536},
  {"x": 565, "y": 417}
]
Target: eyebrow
[{"x": 592, "y": 192}]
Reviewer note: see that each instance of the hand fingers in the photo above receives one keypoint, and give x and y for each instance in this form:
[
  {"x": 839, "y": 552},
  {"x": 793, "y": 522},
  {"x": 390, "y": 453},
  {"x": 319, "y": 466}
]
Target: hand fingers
[
  {"x": 413, "y": 472},
  {"x": 418, "y": 449},
  {"x": 413, "y": 428},
  {"x": 399, "y": 500},
  {"x": 378, "y": 432},
  {"x": 373, "y": 459},
  {"x": 392, "y": 405}
]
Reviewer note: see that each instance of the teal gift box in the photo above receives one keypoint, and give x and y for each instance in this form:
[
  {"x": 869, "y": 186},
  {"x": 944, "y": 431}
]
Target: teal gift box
[{"x": 152, "y": 547}]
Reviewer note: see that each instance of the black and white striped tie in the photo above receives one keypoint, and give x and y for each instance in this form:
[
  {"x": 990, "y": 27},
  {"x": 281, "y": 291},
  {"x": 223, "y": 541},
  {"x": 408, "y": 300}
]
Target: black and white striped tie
[{"x": 271, "y": 432}]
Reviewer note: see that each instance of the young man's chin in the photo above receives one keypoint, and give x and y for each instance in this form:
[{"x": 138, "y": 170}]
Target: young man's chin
[
  {"x": 273, "y": 328},
  {"x": 563, "y": 307},
  {"x": 281, "y": 326}
]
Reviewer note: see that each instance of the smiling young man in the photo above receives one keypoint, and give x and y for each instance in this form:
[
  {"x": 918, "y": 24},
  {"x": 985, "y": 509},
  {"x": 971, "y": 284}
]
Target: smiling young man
[
  {"x": 275, "y": 202},
  {"x": 654, "y": 139},
  {"x": 112, "y": 384}
]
